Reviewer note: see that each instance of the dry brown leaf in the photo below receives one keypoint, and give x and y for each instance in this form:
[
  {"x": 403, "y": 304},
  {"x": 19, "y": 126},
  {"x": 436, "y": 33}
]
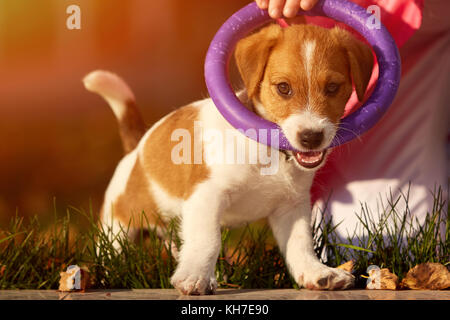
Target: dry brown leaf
[
  {"x": 63, "y": 282},
  {"x": 67, "y": 281},
  {"x": 381, "y": 279},
  {"x": 348, "y": 266},
  {"x": 85, "y": 277},
  {"x": 431, "y": 276},
  {"x": 389, "y": 281}
]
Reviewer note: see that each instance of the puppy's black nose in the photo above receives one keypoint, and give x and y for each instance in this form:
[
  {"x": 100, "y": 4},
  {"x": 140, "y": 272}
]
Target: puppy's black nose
[{"x": 310, "y": 139}]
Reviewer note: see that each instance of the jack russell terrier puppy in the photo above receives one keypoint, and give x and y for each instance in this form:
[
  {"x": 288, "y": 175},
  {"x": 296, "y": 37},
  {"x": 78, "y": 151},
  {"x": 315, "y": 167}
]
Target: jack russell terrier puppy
[{"x": 299, "y": 77}]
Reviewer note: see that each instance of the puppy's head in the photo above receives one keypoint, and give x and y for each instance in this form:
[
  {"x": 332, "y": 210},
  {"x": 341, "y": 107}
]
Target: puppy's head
[{"x": 300, "y": 77}]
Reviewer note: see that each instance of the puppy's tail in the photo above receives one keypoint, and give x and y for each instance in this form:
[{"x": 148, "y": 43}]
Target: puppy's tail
[{"x": 122, "y": 102}]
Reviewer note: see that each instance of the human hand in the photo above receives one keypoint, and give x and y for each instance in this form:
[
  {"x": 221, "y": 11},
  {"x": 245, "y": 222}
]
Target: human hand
[{"x": 288, "y": 8}]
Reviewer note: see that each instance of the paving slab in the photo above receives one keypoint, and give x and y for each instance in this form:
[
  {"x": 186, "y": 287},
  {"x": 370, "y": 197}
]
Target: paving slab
[{"x": 226, "y": 294}]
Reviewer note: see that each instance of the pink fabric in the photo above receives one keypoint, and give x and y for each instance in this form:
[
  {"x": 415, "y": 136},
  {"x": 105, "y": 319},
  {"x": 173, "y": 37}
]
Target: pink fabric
[{"x": 401, "y": 17}]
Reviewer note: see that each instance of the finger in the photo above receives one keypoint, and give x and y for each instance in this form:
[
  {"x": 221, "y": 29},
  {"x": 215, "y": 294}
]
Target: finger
[
  {"x": 276, "y": 8},
  {"x": 307, "y": 4},
  {"x": 262, "y": 4},
  {"x": 291, "y": 8}
]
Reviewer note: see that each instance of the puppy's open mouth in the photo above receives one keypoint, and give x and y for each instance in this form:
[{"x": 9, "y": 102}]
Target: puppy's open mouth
[{"x": 310, "y": 159}]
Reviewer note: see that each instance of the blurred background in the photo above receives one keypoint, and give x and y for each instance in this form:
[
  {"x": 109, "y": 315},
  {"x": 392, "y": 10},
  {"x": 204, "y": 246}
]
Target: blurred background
[{"x": 58, "y": 141}]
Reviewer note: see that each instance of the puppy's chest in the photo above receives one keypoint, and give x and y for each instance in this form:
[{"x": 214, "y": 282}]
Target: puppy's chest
[{"x": 260, "y": 196}]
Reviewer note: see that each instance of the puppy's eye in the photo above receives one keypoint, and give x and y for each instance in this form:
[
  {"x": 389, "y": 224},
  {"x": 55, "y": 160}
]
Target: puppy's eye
[
  {"x": 331, "y": 88},
  {"x": 284, "y": 89}
]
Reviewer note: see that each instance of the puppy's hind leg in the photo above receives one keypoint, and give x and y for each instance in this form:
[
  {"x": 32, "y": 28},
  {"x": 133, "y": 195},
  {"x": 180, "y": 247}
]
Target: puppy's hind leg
[
  {"x": 113, "y": 227},
  {"x": 113, "y": 233}
]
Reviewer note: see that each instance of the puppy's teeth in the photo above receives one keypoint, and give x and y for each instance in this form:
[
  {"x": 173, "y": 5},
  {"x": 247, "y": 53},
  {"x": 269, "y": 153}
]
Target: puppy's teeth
[{"x": 310, "y": 158}]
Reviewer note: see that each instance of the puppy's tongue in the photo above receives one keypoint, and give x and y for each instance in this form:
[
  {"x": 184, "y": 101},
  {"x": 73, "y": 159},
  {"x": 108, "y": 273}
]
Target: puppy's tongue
[{"x": 309, "y": 159}]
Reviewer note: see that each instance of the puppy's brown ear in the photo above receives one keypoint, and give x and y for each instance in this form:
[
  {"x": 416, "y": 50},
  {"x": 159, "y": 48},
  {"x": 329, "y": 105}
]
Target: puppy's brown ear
[
  {"x": 360, "y": 58},
  {"x": 251, "y": 56}
]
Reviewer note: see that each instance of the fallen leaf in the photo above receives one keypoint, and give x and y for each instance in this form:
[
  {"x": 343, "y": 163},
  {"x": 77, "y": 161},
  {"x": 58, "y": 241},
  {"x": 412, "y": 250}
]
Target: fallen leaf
[
  {"x": 348, "y": 266},
  {"x": 430, "y": 276},
  {"x": 389, "y": 281},
  {"x": 381, "y": 279},
  {"x": 68, "y": 279}
]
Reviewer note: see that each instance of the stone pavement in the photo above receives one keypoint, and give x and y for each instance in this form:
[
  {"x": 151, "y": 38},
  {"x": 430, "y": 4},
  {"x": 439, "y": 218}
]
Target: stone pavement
[{"x": 226, "y": 294}]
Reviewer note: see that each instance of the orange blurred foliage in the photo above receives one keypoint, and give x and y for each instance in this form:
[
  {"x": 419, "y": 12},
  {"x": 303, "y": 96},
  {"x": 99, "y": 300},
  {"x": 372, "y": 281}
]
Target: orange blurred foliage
[{"x": 61, "y": 141}]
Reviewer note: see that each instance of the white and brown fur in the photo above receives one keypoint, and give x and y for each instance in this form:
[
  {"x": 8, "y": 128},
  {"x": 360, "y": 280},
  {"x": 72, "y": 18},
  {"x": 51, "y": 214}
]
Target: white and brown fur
[{"x": 208, "y": 196}]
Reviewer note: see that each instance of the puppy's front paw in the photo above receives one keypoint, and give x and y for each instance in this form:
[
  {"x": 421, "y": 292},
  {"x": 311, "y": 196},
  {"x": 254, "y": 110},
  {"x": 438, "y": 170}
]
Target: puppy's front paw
[
  {"x": 322, "y": 277},
  {"x": 190, "y": 283}
]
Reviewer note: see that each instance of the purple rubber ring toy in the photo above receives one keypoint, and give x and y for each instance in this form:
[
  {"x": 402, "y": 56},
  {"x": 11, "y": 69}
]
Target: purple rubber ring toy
[{"x": 251, "y": 17}]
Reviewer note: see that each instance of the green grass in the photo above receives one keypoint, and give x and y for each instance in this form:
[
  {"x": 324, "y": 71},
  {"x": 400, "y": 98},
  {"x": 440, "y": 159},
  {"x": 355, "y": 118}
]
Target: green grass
[
  {"x": 397, "y": 240},
  {"x": 32, "y": 255}
]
